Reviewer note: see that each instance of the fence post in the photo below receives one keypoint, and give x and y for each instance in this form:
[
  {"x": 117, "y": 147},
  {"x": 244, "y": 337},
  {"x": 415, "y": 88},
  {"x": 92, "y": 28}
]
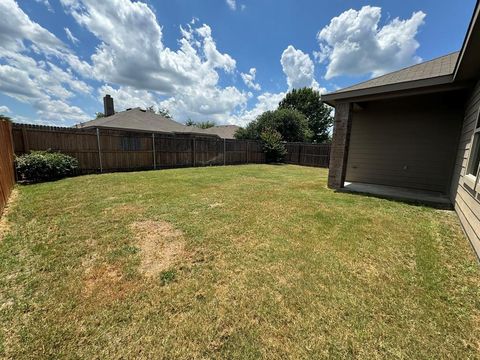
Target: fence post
[
  {"x": 99, "y": 151},
  {"x": 300, "y": 146},
  {"x": 154, "y": 154},
  {"x": 15, "y": 175},
  {"x": 26, "y": 147},
  {"x": 246, "y": 153},
  {"x": 194, "y": 154},
  {"x": 224, "y": 151}
]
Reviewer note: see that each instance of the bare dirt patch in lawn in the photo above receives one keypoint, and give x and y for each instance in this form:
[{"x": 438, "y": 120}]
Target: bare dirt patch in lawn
[{"x": 161, "y": 246}]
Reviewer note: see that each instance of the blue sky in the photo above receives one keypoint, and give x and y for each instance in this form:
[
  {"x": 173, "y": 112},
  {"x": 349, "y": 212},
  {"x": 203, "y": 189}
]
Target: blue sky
[{"x": 221, "y": 60}]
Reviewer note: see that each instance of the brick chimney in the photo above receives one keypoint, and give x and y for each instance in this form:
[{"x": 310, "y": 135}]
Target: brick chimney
[{"x": 108, "y": 108}]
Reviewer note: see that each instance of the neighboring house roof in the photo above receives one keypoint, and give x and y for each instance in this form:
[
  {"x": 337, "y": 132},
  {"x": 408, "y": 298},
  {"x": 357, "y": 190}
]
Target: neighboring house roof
[
  {"x": 224, "y": 131},
  {"x": 138, "y": 119},
  {"x": 143, "y": 120}
]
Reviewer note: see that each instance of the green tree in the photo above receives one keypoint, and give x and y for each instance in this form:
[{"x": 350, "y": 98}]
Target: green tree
[
  {"x": 201, "y": 124},
  {"x": 318, "y": 114},
  {"x": 291, "y": 124},
  {"x": 273, "y": 146},
  {"x": 205, "y": 124},
  {"x": 99, "y": 115},
  {"x": 164, "y": 112}
]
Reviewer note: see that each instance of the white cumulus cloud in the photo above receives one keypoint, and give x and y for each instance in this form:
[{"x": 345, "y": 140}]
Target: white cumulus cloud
[
  {"x": 218, "y": 104},
  {"x": 37, "y": 81},
  {"x": 354, "y": 43},
  {"x": 232, "y": 4},
  {"x": 46, "y": 3},
  {"x": 249, "y": 79},
  {"x": 5, "y": 109},
  {"x": 132, "y": 52},
  {"x": 132, "y": 60},
  {"x": 265, "y": 102},
  {"x": 126, "y": 97},
  {"x": 70, "y": 36},
  {"x": 299, "y": 69}
]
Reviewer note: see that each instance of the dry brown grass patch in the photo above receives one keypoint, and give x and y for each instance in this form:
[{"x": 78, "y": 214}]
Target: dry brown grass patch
[
  {"x": 215, "y": 205},
  {"x": 120, "y": 210},
  {"x": 4, "y": 224},
  {"x": 106, "y": 282},
  {"x": 161, "y": 246}
]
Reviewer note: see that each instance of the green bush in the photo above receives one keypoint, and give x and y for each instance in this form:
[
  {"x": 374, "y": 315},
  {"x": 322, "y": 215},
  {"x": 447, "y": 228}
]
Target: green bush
[
  {"x": 45, "y": 165},
  {"x": 273, "y": 146}
]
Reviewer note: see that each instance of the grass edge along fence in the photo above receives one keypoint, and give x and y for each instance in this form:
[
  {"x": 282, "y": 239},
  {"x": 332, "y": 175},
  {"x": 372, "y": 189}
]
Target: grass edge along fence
[
  {"x": 109, "y": 150},
  {"x": 7, "y": 172}
]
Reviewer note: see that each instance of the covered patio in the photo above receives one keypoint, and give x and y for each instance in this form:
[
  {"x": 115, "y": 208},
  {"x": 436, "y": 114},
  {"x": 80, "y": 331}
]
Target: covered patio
[
  {"x": 432, "y": 198},
  {"x": 397, "y": 140}
]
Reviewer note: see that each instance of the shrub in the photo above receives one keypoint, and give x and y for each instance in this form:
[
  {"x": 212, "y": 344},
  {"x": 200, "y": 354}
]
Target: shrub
[
  {"x": 273, "y": 146},
  {"x": 45, "y": 165}
]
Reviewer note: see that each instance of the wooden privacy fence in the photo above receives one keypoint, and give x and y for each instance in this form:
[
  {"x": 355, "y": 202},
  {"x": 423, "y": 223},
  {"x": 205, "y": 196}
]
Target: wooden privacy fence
[
  {"x": 7, "y": 174},
  {"x": 107, "y": 150},
  {"x": 306, "y": 154}
]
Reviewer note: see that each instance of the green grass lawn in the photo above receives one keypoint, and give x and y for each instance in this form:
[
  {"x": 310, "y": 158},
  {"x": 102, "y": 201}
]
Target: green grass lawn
[{"x": 232, "y": 262}]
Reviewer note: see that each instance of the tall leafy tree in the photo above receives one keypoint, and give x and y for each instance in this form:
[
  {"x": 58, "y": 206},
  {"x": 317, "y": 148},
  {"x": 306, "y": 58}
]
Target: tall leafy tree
[
  {"x": 318, "y": 114},
  {"x": 291, "y": 124}
]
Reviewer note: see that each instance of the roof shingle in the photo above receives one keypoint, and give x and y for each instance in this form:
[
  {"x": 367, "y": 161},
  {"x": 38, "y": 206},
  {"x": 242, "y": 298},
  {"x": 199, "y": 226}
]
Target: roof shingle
[{"x": 441, "y": 66}]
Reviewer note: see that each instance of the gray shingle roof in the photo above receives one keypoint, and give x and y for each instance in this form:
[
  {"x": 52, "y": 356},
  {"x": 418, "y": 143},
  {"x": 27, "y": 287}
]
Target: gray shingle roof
[
  {"x": 441, "y": 66},
  {"x": 224, "y": 131},
  {"x": 138, "y": 119}
]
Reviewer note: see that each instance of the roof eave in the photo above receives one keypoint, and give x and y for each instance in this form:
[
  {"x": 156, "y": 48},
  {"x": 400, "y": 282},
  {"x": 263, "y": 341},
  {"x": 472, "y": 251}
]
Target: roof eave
[
  {"x": 468, "y": 63},
  {"x": 432, "y": 84}
]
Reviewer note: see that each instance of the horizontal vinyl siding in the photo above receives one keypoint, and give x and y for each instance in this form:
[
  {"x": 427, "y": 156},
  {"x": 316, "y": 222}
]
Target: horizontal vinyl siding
[
  {"x": 467, "y": 201},
  {"x": 406, "y": 142}
]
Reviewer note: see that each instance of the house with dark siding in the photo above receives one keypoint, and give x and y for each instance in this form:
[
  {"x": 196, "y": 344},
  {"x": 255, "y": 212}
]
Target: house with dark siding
[{"x": 415, "y": 131}]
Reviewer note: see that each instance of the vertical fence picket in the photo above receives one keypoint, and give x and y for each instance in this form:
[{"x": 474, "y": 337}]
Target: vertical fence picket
[{"x": 99, "y": 151}]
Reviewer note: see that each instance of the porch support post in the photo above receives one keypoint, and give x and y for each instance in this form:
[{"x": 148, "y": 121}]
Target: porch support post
[{"x": 340, "y": 143}]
